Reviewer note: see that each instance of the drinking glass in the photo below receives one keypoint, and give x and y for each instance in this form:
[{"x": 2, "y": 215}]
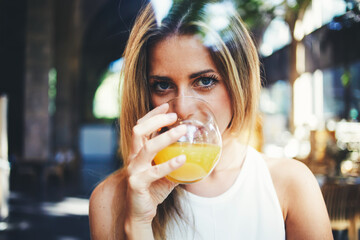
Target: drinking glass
[{"x": 201, "y": 144}]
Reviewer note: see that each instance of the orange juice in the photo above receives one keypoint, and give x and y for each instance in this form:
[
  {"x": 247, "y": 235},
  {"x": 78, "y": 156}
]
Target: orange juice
[{"x": 200, "y": 159}]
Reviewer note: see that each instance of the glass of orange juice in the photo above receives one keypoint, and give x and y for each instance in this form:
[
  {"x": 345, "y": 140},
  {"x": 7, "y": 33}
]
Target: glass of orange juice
[{"x": 201, "y": 144}]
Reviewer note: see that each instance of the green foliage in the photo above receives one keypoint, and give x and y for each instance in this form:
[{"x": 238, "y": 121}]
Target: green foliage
[
  {"x": 52, "y": 90},
  {"x": 255, "y": 13},
  {"x": 295, "y": 10},
  {"x": 258, "y": 13},
  {"x": 345, "y": 78}
]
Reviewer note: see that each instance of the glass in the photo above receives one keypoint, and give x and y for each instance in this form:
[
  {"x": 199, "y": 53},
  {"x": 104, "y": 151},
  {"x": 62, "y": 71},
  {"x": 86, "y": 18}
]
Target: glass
[{"x": 201, "y": 144}]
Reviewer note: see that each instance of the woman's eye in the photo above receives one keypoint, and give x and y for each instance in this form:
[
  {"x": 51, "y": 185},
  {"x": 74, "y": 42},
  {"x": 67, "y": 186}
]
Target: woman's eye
[
  {"x": 206, "y": 82},
  {"x": 161, "y": 86}
]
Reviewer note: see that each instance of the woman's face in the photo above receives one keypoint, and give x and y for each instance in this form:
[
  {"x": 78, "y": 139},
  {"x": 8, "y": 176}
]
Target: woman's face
[{"x": 182, "y": 66}]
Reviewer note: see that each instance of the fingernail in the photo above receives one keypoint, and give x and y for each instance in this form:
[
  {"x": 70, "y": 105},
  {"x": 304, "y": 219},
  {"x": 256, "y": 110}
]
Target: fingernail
[
  {"x": 180, "y": 159},
  {"x": 163, "y": 105},
  {"x": 181, "y": 128},
  {"x": 172, "y": 116}
]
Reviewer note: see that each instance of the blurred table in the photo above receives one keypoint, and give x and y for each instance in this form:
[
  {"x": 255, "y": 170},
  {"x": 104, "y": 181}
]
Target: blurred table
[{"x": 342, "y": 198}]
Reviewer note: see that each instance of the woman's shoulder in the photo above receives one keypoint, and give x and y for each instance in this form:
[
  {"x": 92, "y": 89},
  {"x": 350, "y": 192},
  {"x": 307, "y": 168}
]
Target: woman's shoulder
[
  {"x": 106, "y": 203},
  {"x": 290, "y": 177},
  {"x": 288, "y": 169},
  {"x": 287, "y": 174},
  {"x": 109, "y": 187},
  {"x": 300, "y": 198}
]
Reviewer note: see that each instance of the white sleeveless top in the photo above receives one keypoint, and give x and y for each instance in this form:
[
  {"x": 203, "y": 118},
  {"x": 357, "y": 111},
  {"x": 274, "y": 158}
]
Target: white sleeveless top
[{"x": 249, "y": 209}]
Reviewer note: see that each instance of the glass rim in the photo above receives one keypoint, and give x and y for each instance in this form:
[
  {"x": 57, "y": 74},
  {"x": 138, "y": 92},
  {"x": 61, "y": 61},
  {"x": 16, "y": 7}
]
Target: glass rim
[{"x": 203, "y": 101}]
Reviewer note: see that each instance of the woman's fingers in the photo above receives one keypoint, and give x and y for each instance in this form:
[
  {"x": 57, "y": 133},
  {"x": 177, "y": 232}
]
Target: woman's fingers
[
  {"x": 159, "y": 171},
  {"x": 154, "y": 145},
  {"x": 146, "y": 128},
  {"x": 138, "y": 134},
  {"x": 142, "y": 131},
  {"x": 158, "y": 110},
  {"x": 145, "y": 179}
]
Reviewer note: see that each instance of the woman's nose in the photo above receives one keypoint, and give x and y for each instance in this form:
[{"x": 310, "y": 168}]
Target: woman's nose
[{"x": 183, "y": 107}]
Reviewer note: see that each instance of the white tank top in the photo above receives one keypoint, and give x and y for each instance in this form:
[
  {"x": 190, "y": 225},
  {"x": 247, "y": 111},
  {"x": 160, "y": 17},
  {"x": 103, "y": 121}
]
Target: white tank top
[{"x": 249, "y": 209}]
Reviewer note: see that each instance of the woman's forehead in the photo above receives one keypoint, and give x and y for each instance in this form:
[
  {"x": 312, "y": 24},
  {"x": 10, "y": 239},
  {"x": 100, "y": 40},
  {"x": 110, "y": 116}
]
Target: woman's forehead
[{"x": 179, "y": 53}]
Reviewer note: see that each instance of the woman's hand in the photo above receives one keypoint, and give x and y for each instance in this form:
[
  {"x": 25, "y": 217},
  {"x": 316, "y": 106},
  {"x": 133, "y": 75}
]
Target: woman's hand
[{"x": 147, "y": 187}]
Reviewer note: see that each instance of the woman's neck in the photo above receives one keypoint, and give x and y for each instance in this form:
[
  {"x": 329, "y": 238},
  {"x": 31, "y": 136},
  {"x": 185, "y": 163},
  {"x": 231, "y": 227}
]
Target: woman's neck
[{"x": 232, "y": 154}]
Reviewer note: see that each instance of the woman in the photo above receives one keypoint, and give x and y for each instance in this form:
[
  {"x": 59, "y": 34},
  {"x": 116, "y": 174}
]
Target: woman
[{"x": 247, "y": 195}]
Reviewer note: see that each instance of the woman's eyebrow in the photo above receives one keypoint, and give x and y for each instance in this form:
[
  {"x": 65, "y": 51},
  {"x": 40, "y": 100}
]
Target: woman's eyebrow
[
  {"x": 161, "y": 78},
  {"x": 197, "y": 74},
  {"x": 193, "y": 75}
]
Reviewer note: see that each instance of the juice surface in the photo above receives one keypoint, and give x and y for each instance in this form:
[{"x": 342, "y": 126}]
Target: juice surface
[{"x": 200, "y": 159}]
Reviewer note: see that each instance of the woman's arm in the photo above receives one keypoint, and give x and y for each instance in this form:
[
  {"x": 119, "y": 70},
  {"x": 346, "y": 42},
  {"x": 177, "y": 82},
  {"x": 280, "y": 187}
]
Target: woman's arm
[
  {"x": 306, "y": 215},
  {"x": 124, "y": 205},
  {"x": 107, "y": 212},
  {"x": 106, "y": 202}
]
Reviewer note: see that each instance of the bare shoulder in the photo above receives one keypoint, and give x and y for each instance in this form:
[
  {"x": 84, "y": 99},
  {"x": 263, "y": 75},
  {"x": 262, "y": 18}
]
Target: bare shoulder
[
  {"x": 289, "y": 170},
  {"x": 288, "y": 174},
  {"x": 300, "y": 197},
  {"x": 106, "y": 204}
]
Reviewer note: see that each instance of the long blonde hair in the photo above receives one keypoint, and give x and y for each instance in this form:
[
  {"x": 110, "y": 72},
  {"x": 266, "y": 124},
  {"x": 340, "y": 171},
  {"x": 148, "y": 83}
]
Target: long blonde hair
[{"x": 233, "y": 52}]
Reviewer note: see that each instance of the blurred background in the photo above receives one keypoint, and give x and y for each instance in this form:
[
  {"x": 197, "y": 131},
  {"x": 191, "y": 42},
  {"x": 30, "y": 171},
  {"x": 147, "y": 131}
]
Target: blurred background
[{"x": 59, "y": 79}]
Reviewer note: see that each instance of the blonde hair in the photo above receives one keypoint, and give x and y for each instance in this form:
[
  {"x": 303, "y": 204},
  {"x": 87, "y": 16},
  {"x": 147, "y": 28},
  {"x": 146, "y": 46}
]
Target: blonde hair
[{"x": 233, "y": 52}]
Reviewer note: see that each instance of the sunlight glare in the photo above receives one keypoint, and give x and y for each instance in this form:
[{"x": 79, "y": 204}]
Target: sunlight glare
[{"x": 161, "y": 9}]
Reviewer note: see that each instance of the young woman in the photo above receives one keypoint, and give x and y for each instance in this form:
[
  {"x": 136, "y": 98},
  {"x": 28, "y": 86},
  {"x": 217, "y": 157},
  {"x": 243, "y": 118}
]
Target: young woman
[{"x": 247, "y": 195}]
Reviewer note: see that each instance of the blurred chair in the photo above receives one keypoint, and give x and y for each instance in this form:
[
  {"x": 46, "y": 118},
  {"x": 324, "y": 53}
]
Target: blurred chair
[
  {"x": 355, "y": 223},
  {"x": 342, "y": 201}
]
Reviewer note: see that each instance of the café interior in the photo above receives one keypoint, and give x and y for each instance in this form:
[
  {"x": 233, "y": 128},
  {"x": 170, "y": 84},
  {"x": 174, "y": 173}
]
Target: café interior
[{"x": 60, "y": 67}]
